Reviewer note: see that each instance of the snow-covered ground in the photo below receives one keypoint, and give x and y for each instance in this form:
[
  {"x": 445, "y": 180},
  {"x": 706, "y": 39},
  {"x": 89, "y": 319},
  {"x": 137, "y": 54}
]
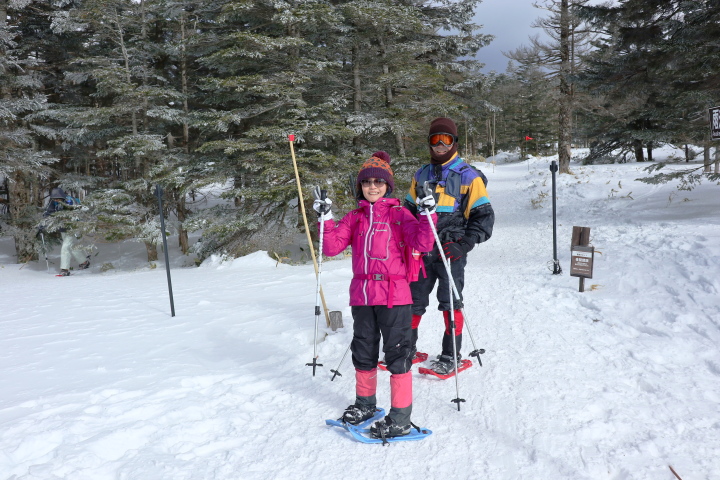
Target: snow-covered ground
[{"x": 98, "y": 380}]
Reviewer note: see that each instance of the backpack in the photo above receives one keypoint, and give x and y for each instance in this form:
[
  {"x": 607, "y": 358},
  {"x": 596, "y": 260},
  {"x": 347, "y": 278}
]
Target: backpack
[
  {"x": 72, "y": 200},
  {"x": 411, "y": 258}
]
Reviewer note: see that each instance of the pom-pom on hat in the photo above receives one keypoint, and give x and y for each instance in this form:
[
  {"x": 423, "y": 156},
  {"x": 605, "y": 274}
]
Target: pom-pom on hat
[{"x": 377, "y": 166}]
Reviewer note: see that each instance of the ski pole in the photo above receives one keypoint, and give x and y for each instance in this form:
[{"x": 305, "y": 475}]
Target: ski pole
[
  {"x": 476, "y": 351},
  {"x": 42, "y": 237},
  {"x": 336, "y": 372},
  {"x": 451, "y": 281},
  {"x": 314, "y": 364},
  {"x": 291, "y": 139}
]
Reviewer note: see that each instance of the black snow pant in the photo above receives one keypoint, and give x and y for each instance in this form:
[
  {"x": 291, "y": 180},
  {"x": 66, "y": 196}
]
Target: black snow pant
[
  {"x": 436, "y": 273},
  {"x": 394, "y": 325},
  {"x": 369, "y": 323}
]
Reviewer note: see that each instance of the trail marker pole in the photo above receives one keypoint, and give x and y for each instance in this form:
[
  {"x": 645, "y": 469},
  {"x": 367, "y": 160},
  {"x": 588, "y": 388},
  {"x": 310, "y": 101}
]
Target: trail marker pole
[
  {"x": 159, "y": 193},
  {"x": 556, "y": 263}
]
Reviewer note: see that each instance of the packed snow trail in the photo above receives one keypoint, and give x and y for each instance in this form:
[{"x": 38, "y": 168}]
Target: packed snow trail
[{"x": 100, "y": 382}]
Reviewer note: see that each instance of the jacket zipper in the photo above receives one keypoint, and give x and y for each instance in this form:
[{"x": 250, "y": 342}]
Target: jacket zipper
[{"x": 366, "y": 254}]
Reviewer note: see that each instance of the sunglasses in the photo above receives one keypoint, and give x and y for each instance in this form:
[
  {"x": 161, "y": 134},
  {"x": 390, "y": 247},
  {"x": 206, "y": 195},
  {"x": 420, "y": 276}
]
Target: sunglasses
[
  {"x": 378, "y": 182},
  {"x": 437, "y": 138}
]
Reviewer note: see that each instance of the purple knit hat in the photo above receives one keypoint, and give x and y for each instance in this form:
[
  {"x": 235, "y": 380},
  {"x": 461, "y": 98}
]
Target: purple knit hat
[{"x": 377, "y": 166}]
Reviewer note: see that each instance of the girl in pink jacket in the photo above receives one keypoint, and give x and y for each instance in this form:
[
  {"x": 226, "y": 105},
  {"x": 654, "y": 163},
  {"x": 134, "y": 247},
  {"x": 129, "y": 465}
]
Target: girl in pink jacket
[{"x": 380, "y": 295}]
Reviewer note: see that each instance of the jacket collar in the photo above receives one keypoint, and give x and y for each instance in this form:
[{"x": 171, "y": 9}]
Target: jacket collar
[{"x": 381, "y": 205}]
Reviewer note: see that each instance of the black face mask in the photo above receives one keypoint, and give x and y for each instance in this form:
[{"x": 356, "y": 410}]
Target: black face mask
[{"x": 440, "y": 159}]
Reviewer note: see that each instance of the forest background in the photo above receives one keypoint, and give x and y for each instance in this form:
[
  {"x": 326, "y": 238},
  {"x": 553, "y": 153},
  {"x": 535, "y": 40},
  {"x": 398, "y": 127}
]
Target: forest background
[{"x": 110, "y": 98}]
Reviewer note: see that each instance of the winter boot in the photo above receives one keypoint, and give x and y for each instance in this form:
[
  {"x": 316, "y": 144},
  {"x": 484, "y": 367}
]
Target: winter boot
[
  {"x": 443, "y": 365},
  {"x": 355, "y": 414},
  {"x": 386, "y": 428},
  {"x": 85, "y": 264},
  {"x": 64, "y": 273}
]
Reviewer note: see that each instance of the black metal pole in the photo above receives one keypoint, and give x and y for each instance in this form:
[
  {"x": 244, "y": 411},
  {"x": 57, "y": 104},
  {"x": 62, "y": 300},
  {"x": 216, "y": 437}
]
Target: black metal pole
[
  {"x": 159, "y": 192},
  {"x": 556, "y": 263}
]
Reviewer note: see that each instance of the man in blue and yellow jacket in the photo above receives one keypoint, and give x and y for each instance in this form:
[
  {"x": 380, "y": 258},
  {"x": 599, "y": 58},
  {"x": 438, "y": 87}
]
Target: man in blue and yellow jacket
[{"x": 465, "y": 218}]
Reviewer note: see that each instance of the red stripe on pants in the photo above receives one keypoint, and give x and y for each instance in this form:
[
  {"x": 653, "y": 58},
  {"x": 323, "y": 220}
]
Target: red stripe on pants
[{"x": 459, "y": 321}]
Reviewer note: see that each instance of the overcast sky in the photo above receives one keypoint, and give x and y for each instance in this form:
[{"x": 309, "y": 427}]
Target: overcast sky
[{"x": 509, "y": 21}]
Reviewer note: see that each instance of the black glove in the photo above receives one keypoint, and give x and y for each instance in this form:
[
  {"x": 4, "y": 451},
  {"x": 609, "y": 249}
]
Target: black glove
[{"x": 454, "y": 251}]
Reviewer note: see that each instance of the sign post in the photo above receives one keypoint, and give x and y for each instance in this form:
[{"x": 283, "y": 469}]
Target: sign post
[
  {"x": 715, "y": 123},
  {"x": 581, "y": 255}
]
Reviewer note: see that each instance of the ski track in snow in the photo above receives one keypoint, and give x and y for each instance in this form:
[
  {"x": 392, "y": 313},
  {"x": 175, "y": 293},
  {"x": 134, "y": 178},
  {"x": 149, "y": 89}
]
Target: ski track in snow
[{"x": 100, "y": 382}]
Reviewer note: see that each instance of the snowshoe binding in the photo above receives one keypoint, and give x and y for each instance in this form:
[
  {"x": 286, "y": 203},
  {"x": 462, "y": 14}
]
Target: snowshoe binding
[
  {"x": 356, "y": 414},
  {"x": 386, "y": 428}
]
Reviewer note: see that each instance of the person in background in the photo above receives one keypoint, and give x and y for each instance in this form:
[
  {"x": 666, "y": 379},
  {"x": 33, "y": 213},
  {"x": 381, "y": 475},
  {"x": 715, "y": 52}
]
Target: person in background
[
  {"x": 465, "y": 218},
  {"x": 59, "y": 200},
  {"x": 379, "y": 291}
]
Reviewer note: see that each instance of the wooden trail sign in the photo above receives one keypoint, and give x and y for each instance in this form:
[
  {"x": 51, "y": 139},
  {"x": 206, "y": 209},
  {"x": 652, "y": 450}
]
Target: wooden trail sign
[
  {"x": 715, "y": 123},
  {"x": 581, "y": 255}
]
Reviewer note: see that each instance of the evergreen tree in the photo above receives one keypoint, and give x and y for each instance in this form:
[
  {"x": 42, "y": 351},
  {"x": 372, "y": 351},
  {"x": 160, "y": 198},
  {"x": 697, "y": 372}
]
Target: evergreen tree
[
  {"x": 31, "y": 61},
  {"x": 122, "y": 121},
  {"x": 189, "y": 93},
  {"x": 654, "y": 74},
  {"x": 560, "y": 56}
]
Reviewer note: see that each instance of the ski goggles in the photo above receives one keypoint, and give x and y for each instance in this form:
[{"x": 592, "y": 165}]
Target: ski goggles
[
  {"x": 436, "y": 139},
  {"x": 378, "y": 182}
]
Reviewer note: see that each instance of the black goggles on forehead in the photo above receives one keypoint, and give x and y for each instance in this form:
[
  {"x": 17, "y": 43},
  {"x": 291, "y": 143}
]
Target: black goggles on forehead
[{"x": 447, "y": 139}]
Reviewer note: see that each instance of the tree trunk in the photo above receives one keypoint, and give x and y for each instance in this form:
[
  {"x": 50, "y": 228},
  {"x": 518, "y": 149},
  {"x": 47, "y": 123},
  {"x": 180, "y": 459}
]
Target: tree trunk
[
  {"x": 357, "y": 94},
  {"x": 152, "y": 253},
  {"x": 637, "y": 146},
  {"x": 706, "y": 156},
  {"x": 20, "y": 207},
  {"x": 181, "y": 215},
  {"x": 649, "y": 152},
  {"x": 399, "y": 144},
  {"x": 565, "y": 105}
]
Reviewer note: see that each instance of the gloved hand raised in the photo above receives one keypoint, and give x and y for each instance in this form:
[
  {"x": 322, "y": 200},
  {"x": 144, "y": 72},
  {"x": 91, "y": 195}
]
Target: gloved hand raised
[
  {"x": 425, "y": 205},
  {"x": 454, "y": 251},
  {"x": 322, "y": 206}
]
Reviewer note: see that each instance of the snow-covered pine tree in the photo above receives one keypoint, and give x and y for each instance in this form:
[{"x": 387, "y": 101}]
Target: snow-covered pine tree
[
  {"x": 256, "y": 89},
  {"x": 528, "y": 98},
  {"x": 26, "y": 73},
  {"x": 560, "y": 56},
  {"x": 122, "y": 121},
  {"x": 653, "y": 75}
]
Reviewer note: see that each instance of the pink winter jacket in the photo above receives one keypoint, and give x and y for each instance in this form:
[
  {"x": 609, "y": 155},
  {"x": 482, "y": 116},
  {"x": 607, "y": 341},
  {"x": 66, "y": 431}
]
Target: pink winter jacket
[{"x": 377, "y": 262}]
